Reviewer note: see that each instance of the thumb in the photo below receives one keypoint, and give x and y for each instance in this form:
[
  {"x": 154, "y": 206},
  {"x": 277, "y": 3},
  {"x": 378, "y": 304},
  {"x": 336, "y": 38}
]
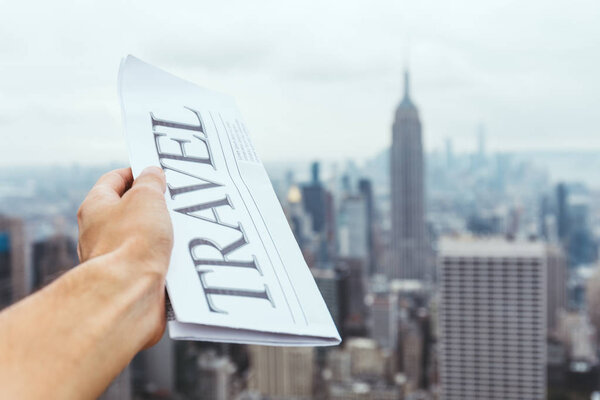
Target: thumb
[{"x": 152, "y": 177}]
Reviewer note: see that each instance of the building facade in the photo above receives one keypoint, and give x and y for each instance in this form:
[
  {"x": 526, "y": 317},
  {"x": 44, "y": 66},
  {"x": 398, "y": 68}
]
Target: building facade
[
  {"x": 282, "y": 372},
  {"x": 492, "y": 319},
  {"x": 365, "y": 188},
  {"x": 52, "y": 257},
  {"x": 557, "y": 277},
  {"x": 214, "y": 381},
  {"x": 408, "y": 246},
  {"x": 353, "y": 229},
  {"x": 14, "y": 279},
  {"x": 329, "y": 283},
  {"x": 384, "y": 318}
]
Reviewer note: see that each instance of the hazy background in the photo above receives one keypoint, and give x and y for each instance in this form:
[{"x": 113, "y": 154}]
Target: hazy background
[
  {"x": 508, "y": 96},
  {"x": 314, "y": 79}
]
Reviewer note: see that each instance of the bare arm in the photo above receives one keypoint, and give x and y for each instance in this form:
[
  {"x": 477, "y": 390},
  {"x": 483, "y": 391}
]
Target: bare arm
[{"x": 70, "y": 339}]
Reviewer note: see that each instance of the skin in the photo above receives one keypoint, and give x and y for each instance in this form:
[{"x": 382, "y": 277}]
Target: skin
[{"x": 72, "y": 338}]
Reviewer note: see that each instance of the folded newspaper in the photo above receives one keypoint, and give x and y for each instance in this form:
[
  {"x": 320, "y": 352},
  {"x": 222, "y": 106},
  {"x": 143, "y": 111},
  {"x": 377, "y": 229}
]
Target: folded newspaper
[{"x": 236, "y": 272}]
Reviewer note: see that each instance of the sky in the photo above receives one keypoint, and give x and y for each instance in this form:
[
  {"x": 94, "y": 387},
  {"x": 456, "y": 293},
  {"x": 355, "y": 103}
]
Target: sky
[{"x": 314, "y": 79}]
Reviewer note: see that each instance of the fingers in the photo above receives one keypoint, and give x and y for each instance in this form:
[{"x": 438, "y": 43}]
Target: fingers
[
  {"x": 151, "y": 177},
  {"x": 109, "y": 189},
  {"x": 116, "y": 198},
  {"x": 114, "y": 183}
]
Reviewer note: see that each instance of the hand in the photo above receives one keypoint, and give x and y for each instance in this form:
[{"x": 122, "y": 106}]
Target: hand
[
  {"x": 97, "y": 316},
  {"x": 130, "y": 219}
]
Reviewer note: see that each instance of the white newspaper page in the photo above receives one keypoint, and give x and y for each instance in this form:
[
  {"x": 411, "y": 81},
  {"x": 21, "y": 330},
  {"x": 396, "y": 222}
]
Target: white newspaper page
[{"x": 236, "y": 272}]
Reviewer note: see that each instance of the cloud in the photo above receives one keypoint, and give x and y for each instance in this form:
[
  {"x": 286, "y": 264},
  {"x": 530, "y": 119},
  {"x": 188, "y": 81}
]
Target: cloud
[
  {"x": 223, "y": 56},
  {"x": 312, "y": 78}
]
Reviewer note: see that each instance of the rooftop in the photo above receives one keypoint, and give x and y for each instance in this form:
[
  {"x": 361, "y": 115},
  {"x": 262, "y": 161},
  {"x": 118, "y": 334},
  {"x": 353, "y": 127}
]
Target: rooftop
[{"x": 495, "y": 246}]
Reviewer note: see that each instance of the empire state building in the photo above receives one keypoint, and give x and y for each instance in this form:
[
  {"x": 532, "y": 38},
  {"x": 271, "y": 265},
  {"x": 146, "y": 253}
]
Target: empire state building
[{"x": 408, "y": 247}]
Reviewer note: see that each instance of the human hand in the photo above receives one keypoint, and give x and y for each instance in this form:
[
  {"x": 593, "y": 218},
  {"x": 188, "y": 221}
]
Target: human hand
[
  {"x": 130, "y": 220},
  {"x": 97, "y": 316}
]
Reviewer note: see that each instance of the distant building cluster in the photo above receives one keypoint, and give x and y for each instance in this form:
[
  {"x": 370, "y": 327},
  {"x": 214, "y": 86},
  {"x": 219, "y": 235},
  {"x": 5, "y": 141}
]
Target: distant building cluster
[{"x": 26, "y": 267}]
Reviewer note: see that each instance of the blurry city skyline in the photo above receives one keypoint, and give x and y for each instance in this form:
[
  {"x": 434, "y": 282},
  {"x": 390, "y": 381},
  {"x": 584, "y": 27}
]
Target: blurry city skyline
[
  {"x": 400, "y": 336},
  {"x": 454, "y": 234}
]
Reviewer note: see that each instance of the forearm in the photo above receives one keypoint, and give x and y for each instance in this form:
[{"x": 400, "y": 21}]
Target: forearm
[{"x": 73, "y": 337}]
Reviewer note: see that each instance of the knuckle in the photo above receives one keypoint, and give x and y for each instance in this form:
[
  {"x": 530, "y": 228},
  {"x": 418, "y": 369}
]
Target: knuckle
[
  {"x": 93, "y": 198},
  {"x": 85, "y": 209},
  {"x": 111, "y": 175},
  {"x": 119, "y": 178},
  {"x": 106, "y": 174}
]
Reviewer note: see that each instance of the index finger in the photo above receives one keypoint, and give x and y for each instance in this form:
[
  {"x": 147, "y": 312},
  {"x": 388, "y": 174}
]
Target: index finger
[
  {"x": 114, "y": 183},
  {"x": 152, "y": 176}
]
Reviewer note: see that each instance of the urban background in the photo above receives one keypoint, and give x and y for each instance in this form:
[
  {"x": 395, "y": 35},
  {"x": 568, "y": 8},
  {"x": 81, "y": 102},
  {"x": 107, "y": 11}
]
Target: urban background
[
  {"x": 453, "y": 275},
  {"x": 437, "y": 162}
]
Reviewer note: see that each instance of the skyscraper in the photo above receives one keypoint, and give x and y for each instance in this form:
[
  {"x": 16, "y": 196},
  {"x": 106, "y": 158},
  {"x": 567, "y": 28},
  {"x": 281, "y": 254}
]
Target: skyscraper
[
  {"x": 13, "y": 273},
  {"x": 592, "y": 293},
  {"x": 318, "y": 203},
  {"x": 282, "y": 372},
  {"x": 52, "y": 257},
  {"x": 353, "y": 309},
  {"x": 366, "y": 190},
  {"x": 329, "y": 283},
  {"x": 557, "y": 278},
  {"x": 562, "y": 216},
  {"x": 314, "y": 198},
  {"x": 492, "y": 319},
  {"x": 214, "y": 376},
  {"x": 368, "y": 361},
  {"x": 412, "y": 347},
  {"x": 384, "y": 312},
  {"x": 408, "y": 245},
  {"x": 353, "y": 229}
]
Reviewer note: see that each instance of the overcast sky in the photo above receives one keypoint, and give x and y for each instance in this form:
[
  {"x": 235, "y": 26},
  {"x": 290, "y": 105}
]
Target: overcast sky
[{"x": 313, "y": 79}]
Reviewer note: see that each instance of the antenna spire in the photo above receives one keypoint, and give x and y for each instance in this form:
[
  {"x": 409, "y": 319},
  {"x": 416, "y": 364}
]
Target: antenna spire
[{"x": 406, "y": 84}]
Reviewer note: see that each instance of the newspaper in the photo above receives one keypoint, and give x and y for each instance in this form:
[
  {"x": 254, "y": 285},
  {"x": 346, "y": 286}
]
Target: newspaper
[{"x": 236, "y": 272}]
